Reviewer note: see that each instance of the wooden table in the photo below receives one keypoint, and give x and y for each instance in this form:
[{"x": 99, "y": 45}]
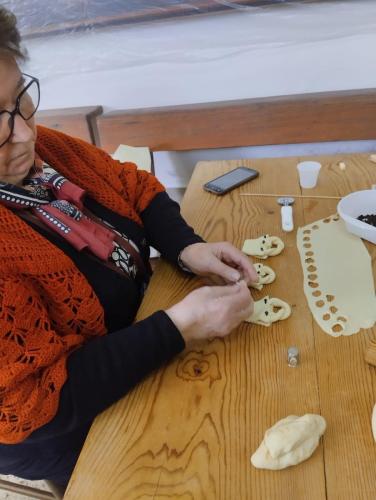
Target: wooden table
[{"x": 188, "y": 431}]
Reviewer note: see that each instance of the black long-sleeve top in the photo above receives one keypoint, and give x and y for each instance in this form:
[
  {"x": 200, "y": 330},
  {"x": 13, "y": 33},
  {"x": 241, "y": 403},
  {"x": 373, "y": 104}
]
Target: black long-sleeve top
[{"x": 106, "y": 368}]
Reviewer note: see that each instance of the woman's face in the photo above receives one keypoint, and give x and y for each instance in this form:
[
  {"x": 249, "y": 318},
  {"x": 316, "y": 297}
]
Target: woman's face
[{"x": 17, "y": 155}]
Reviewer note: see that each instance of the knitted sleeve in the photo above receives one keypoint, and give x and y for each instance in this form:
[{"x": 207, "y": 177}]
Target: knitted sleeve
[
  {"x": 105, "y": 369},
  {"x": 33, "y": 355}
]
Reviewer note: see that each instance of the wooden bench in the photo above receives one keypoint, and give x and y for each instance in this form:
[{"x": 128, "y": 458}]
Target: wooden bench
[
  {"x": 79, "y": 122},
  {"x": 318, "y": 117}
]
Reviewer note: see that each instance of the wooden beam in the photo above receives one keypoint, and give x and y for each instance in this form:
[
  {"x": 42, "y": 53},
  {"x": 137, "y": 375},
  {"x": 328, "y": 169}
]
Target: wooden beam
[
  {"x": 80, "y": 122},
  {"x": 326, "y": 116}
]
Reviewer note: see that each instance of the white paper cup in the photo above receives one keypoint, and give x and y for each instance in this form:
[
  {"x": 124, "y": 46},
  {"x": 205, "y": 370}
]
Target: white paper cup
[{"x": 308, "y": 173}]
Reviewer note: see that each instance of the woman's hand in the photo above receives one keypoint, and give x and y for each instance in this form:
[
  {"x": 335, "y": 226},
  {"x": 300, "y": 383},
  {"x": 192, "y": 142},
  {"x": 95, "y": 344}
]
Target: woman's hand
[
  {"x": 212, "y": 311},
  {"x": 220, "y": 263}
]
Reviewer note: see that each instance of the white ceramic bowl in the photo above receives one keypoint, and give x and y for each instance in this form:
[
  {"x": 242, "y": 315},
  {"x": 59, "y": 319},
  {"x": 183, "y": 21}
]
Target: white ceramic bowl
[{"x": 355, "y": 204}]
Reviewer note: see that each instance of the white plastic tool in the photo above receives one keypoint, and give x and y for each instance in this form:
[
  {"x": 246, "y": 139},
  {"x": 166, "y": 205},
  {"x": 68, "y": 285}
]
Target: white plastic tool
[{"x": 287, "y": 220}]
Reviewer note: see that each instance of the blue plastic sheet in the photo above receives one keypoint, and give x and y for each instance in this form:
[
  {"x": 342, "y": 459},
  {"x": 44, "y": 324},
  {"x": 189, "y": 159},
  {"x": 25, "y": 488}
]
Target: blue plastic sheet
[{"x": 41, "y": 17}]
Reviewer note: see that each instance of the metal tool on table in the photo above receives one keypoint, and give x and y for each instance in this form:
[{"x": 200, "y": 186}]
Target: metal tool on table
[
  {"x": 287, "y": 220},
  {"x": 293, "y": 356}
]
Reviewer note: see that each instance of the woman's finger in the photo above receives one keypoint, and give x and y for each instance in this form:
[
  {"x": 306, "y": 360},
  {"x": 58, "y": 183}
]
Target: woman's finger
[
  {"x": 229, "y": 273},
  {"x": 214, "y": 280},
  {"x": 216, "y": 292},
  {"x": 235, "y": 258}
]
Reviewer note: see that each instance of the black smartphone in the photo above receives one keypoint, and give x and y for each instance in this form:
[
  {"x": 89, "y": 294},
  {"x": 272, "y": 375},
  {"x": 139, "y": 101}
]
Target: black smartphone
[{"x": 224, "y": 183}]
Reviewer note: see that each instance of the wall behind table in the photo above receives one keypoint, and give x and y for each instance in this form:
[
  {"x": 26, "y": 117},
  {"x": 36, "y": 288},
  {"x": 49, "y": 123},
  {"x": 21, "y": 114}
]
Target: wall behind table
[{"x": 250, "y": 53}]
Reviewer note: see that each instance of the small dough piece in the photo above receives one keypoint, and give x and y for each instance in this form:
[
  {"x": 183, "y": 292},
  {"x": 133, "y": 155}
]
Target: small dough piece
[
  {"x": 267, "y": 311},
  {"x": 372, "y": 158},
  {"x": 266, "y": 275},
  {"x": 264, "y": 246},
  {"x": 289, "y": 442},
  {"x": 342, "y": 165},
  {"x": 374, "y": 422}
]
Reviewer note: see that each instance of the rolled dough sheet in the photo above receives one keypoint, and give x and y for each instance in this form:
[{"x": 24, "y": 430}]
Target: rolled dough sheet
[{"x": 338, "y": 278}]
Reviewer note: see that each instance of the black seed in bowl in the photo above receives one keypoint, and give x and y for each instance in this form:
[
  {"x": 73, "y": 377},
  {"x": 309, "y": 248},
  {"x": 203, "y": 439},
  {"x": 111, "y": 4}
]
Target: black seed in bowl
[{"x": 368, "y": 219}]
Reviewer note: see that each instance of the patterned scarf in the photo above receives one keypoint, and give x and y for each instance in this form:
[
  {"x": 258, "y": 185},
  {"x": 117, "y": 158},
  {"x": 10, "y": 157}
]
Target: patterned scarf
[{"x": 58, "y": 204}]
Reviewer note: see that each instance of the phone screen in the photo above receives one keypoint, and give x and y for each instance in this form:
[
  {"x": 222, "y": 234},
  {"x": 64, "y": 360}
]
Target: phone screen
[{"x": 231, "y": 179}]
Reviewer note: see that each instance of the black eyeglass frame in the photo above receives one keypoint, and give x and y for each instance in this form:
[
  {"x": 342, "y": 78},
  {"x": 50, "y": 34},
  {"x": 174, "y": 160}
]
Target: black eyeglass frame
[{"x": 16, "y": 110}]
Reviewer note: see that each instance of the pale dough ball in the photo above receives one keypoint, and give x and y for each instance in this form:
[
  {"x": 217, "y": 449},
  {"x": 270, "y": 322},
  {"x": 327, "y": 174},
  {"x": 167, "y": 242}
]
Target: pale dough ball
[
  {"x": 289, "y": 442},
  {"x": 374, "y": 422}
]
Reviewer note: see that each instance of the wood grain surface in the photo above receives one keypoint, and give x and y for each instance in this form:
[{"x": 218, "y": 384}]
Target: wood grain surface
[
  {"x": 187, "y": 432},
  {"x": 80, "y": 122},
  {"x": 323, "y": 116}
]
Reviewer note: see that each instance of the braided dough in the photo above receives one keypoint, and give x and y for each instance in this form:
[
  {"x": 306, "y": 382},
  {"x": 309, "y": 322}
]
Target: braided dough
[
  {"x": 267, "y": 311},
  {"x": 266, "y": 275},
  {"x": 263, "y": 247},
  {"x": 289, "y": 442}
]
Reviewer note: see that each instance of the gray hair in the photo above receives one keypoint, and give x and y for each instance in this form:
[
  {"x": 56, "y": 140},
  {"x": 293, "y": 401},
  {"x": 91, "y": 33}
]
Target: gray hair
[{"x": 10, "y": 38}]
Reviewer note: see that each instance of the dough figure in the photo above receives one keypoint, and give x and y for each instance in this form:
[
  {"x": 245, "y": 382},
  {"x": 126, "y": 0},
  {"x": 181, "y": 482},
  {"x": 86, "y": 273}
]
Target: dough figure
[
  {"x": 267, "y": 311},
  {"x": 266, "y": 275},
  {"x": 289, "y": 442},
  {"x": 263, "y": 247}
]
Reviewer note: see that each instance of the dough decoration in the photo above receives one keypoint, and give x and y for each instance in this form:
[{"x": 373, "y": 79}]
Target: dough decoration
[
  {"x": 265, "y": 274},
  {"x": 338, "y": 277},
  {"x": 269, "y": 310},
  {"x": 289, "y": 442},
  {"x": 372, "y": 158},
  {"x": 263, "y": 247}
]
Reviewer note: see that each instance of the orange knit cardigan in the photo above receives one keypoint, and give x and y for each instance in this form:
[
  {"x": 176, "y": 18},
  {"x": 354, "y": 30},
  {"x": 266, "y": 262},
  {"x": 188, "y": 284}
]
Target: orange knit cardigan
[{"x": 47, "y": 307}]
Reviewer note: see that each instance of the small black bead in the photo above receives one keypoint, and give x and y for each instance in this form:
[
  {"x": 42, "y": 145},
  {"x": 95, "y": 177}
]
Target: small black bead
[{"x": 368, "y": 219}]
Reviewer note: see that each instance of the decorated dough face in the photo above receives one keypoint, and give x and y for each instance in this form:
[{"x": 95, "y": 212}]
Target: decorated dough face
[
  {"x": 265, "y": 274},
  {"x": 289, "y": 442},
  {"x": 263, "y": 247},
  {"x": 269, "y": 310}
]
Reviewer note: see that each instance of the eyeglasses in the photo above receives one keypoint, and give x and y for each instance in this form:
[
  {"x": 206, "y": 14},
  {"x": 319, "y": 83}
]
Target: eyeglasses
[{"x": 27, "y": 104}]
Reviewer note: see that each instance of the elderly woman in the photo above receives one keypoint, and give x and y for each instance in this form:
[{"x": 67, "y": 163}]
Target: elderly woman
[{"x": 75, "y": 227}]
